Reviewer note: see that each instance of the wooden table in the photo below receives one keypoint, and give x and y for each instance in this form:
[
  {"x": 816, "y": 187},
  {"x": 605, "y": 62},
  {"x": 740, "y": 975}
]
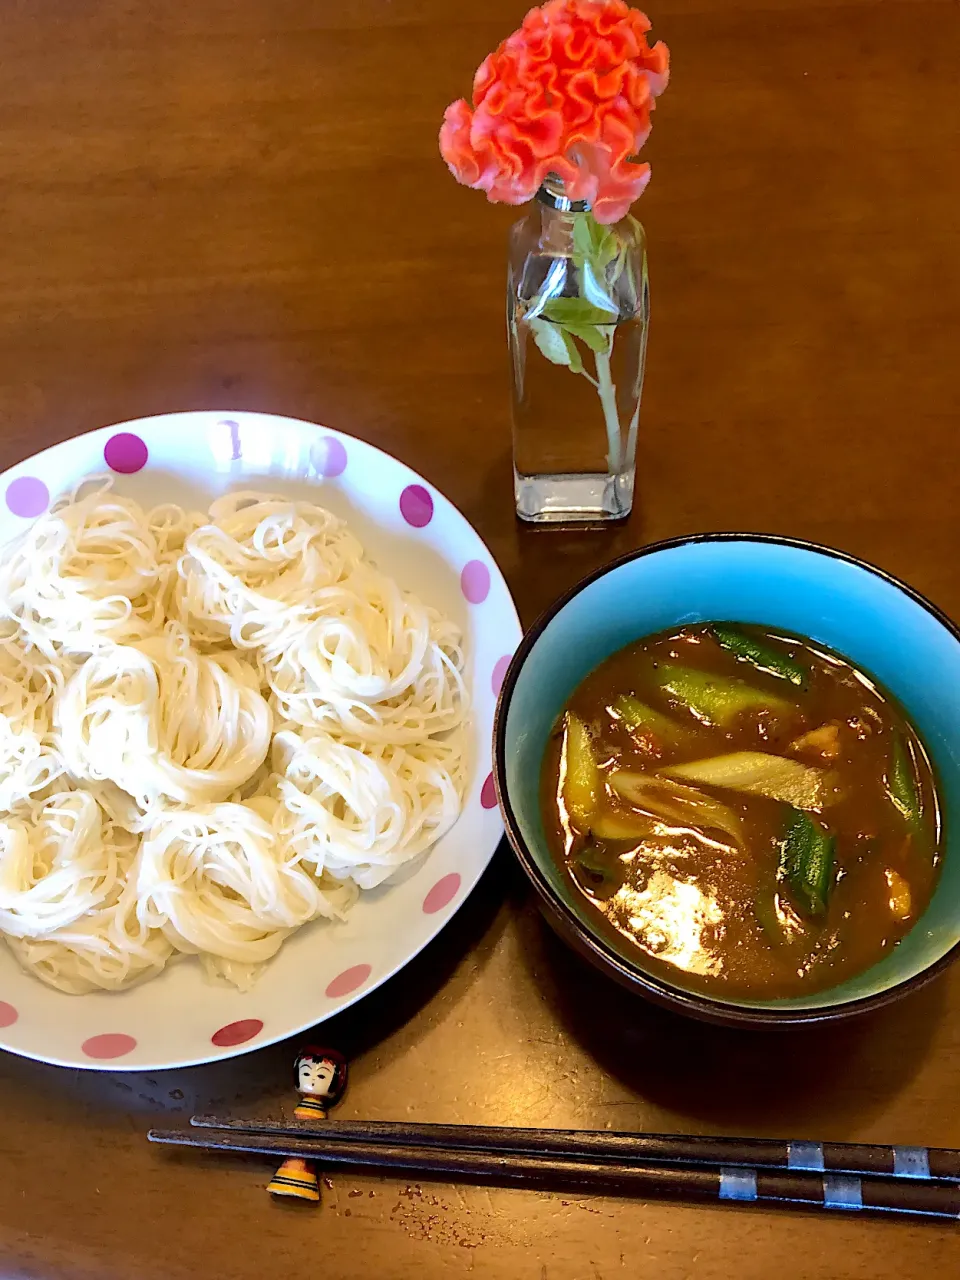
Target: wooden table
[{"x": 239, "y": 203}]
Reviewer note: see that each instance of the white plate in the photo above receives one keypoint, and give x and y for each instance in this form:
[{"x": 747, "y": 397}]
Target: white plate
[{"x": 181, "y": 1018}]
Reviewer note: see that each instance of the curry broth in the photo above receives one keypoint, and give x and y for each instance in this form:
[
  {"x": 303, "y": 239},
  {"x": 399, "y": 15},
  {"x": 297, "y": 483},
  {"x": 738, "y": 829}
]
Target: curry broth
[{"x": 716, "y": 914}]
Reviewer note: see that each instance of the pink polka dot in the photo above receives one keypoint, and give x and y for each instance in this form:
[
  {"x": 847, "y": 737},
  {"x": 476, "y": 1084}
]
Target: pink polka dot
[
  {"x": 349, "y": 980},
  {"x": 110, "y": 1045},
  {"x": 444, "y": 891},
  {"x": 237, "y": 1032},
  {"x": 475, "y": 581},
  {"x": 329, "y": 457},
  {"x": 27, "y": 496},
  {"x": 499, "y": 671},
  {"x": 125, "y": 453},
  {"x": 416, "y": 506},
  {"x": 488, "y": 793},
  {"x": 8, "y": 1014}
]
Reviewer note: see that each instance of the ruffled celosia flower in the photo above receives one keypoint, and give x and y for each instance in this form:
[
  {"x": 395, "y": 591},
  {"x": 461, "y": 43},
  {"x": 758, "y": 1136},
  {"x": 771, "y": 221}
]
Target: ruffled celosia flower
[{"x": 570, "y": 93}]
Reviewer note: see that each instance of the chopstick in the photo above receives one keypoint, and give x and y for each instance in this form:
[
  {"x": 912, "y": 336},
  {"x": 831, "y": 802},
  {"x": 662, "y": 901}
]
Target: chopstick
[
  {"x": 725, "y": 1183},
  {"x": 764, "y": 1153}
]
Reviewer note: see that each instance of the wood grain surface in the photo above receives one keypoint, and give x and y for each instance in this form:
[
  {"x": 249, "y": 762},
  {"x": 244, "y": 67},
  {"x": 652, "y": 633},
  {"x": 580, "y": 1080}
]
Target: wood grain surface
[{"x": 239, "y": 204}]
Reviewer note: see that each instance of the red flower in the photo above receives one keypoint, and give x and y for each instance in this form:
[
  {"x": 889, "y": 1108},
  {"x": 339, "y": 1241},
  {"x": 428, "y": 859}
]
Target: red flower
[{"x": 569, "y": 93}]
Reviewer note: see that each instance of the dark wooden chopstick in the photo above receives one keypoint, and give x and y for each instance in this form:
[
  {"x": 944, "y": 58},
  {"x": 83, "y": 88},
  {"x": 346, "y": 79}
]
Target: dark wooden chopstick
[
  {"x": 761, "y": 1153},
  {"x": 731, "y": 1183}
]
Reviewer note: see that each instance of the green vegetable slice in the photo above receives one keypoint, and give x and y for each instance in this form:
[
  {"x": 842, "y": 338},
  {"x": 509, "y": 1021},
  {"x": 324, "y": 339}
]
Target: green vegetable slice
[
  {"x": 674, "y": 803},
  {"x": 716, "y": 699},
  {"x": 765, "y": 909},
  {"x": 807, "y": 854},
  {"x": 763, "y": 656},
  {"x": 757, "y": 774},
  {"x": 902, "y": 784},
  {"x": 592, "y": 865},
  {"x": 637, "y": 715},
  {"x": 611, "y": 825},
  {"x": 580, "y": 785}
]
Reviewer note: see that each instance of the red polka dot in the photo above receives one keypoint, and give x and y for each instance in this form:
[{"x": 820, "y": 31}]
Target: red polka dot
[
  {"x": 237, "y": 1032},
  {"x": 443, "y": 892},
  {"x": 125, "y": 453},
  {"x": 488, "y": 793},
  {"x": 475, "y": 581},
  {"x": 416, "y": 505},
  {"x": 111, "y": 1045},
  {"x": 499, "y": 671},
  {"x": 8, "y": 1014},
  {"x": 349, "y": 980},
  {"x": 27, "y": 496}
]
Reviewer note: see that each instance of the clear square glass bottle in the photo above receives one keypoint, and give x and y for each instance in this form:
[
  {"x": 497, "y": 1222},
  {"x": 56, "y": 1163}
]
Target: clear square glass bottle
[{"x": 577, "y": 314}]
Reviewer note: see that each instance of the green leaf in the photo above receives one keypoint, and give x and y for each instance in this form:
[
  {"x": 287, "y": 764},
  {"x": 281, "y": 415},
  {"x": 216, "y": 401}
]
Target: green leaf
[
  {"x": 594, "y": 338},
  {"x": 549, "y": 338},
  {"x": 576, "y": 311},
  {"x": 592, "y": 242},
  {"x": 594, "y": 289},
  {"x": 584, "y": 239},
  {"x": 556, "y": 344},
  {"x": 576, "y": 360}
]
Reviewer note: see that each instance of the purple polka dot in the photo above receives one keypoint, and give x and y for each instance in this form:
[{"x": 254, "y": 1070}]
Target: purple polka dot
[
  {"x": 488, "y": 793},
  {"x": 444, "y": 891},
  {"x": 236, "y": 452},
  {"x": 349, "y": 980},
  {"x": 499, "y": 671},
  {"x": 27, "y": 496},
  {"x": 8, "y": 1014},
  {"x": 237, "y": 1032},
  {"x": 475, "y": 581},
  {"x": 416, "y": 506},
  {"x": 125, "y": 453},
  {"x": 110, "y": 1045},
  {"x": 329, "y": 457}
]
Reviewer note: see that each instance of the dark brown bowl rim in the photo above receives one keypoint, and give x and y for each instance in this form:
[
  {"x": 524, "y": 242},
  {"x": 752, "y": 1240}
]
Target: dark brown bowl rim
[{"x": 603, "y": 955}]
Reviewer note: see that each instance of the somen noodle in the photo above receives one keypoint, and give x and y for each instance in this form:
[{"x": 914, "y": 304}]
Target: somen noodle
[{"x": 214, "y": 728}]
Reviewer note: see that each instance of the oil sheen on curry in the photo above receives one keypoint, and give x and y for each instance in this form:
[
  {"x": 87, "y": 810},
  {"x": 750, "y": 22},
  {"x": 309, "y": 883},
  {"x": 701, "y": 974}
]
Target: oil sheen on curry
[{"x": 748, "y": 810}]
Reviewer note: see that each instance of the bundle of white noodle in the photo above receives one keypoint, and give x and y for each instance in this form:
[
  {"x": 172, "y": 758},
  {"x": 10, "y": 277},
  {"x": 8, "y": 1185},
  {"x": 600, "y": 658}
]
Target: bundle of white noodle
[
  {"x": 106, "y": 950},
  {"x": 68, "y": 897},
  {"x": 359, "y": 814},
  {"x": 217, "y": 882},
  {"x": 164, "y": 722},
  {"x": 146, "y": 660},
  {"x": 372, "y": 664},
  {"x": 257, "y": 566},
  {"x": 29, "y": 760},
  {"x": 83, "y": 576},
  {"x": 54, "y": 865}
]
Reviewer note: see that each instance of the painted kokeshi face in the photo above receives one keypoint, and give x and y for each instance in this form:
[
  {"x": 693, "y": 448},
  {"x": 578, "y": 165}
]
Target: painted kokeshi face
[{"x": 316, "y": 1078}]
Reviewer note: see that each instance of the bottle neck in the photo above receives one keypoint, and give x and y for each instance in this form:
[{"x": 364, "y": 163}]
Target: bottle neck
[
  {"x": 553, "y": 195},
  {"x": 557, "y": 216}
]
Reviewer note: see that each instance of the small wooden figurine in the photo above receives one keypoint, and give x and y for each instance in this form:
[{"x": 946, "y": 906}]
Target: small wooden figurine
[{"x": 321, "y": 1076}]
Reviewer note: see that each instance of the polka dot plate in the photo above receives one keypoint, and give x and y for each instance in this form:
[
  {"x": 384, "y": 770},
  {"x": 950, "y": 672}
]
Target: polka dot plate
[{"x": 413, "y": 532}]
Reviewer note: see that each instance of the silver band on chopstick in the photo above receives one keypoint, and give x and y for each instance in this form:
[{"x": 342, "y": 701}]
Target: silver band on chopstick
[
  {"x": 842, "y": 1191},
  {"x": 806, "y": 1156},
  {"x": 737, "y": 1184},
  {"x": 911, "y": 1162}
]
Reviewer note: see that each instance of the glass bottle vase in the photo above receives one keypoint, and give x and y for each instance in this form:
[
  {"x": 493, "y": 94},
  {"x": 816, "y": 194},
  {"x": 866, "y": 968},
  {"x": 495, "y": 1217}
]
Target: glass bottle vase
[{"x": 577, "y": 314}]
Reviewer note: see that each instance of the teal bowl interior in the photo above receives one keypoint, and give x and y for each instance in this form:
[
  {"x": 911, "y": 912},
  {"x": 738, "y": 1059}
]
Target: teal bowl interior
[{"x": 878, "y": 623}]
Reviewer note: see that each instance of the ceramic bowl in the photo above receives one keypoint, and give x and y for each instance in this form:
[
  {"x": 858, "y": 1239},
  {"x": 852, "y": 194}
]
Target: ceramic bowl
[
  {"x": 879, "y": 623},
  {"x": 182, "y": 1018}
]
